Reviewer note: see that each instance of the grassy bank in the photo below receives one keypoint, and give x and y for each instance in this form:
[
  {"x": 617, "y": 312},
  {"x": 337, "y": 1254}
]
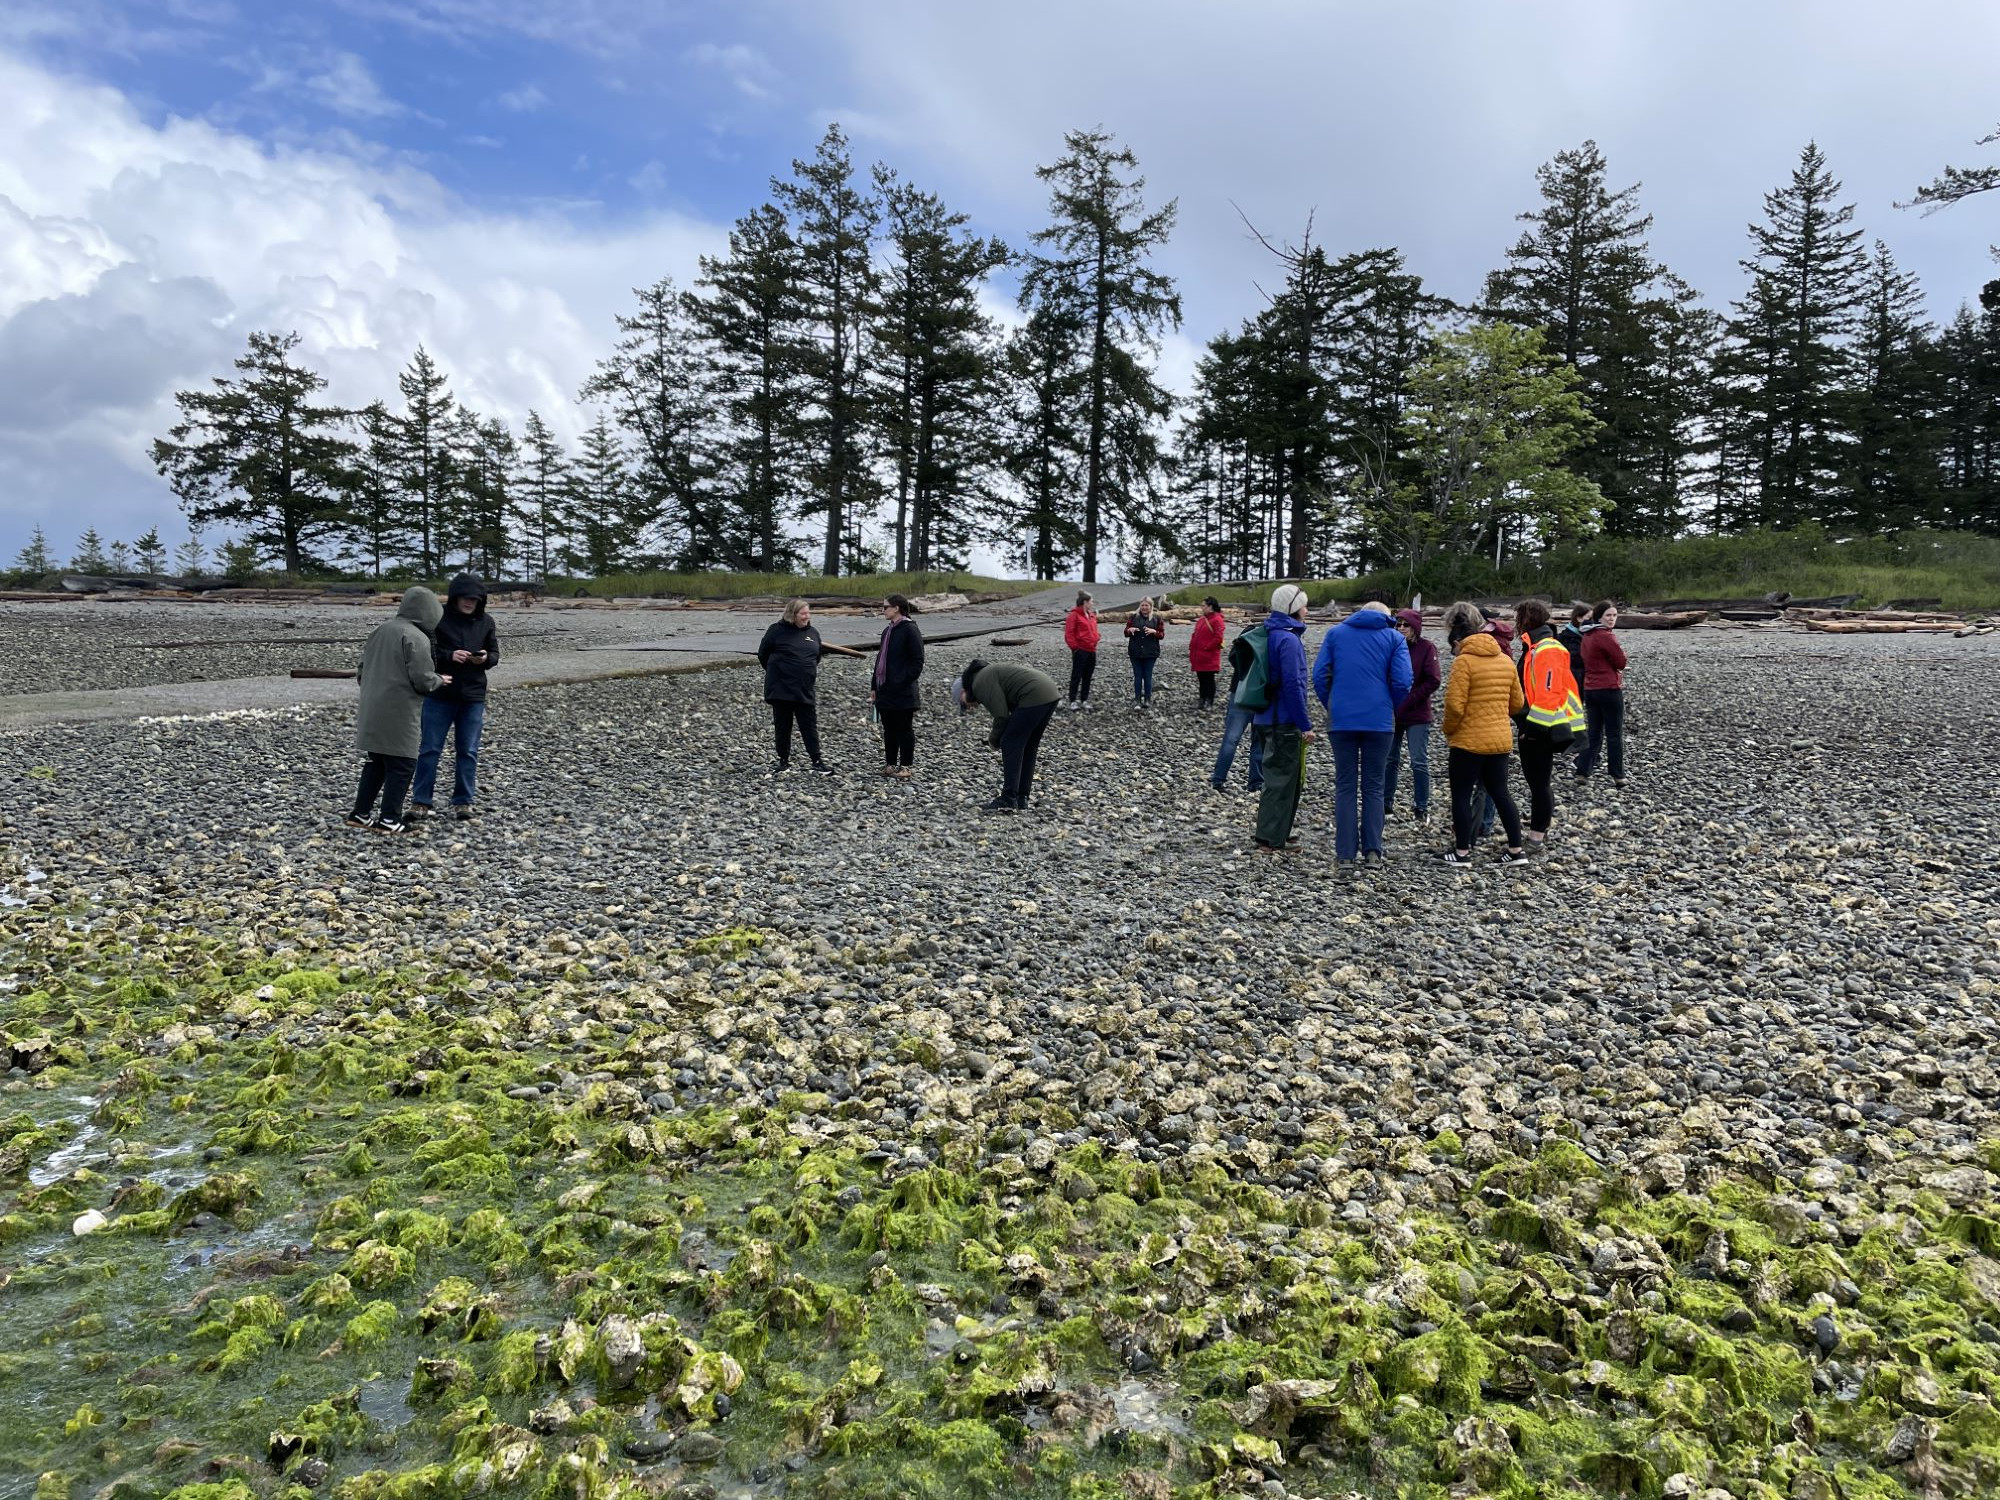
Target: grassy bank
[
  {"x": 785, "y": 585},
  {"x": 1961, "y": 569}
]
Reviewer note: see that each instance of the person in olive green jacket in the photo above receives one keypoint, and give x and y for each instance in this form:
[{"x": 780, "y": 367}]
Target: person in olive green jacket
[
  {"x": 1022, "y": 701},
  {"x": 395, "y": 677}
]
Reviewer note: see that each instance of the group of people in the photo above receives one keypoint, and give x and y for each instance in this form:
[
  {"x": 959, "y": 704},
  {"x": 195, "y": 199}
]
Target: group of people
[
  {"x": 1145, "y": 631},
  {"x": 423, "y": 680},
  {"x": 1376, "y": 678}
]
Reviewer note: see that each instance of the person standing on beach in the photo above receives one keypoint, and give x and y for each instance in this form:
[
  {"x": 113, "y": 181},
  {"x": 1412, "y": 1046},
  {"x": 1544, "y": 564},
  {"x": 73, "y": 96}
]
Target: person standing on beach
[
  {"x": 1144, "y": 630},
  {"x": 1080, "y": 635},
  {"x": 395, "y": 677},
  {"x": 899, "y": 662},
  {"x": 1603, "y": 694},
  {"x": 467, "y": 646},
  {"x": 1205, "y": 648},
  {"x": 1285, "y": 718},
  {"x": 1361, "y": 676}
]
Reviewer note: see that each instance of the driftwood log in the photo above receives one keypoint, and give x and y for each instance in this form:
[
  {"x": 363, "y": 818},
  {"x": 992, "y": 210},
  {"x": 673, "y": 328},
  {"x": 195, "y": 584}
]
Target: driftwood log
[{"x": 329, "y": 672}]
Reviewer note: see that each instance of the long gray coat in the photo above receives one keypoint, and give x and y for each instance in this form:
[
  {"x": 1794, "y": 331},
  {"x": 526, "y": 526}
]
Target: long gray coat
[{"x": 395, "y": 675}]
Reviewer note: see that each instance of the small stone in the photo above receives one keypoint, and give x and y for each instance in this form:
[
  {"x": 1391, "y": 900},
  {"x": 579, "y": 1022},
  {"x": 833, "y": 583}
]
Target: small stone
[
  {"x": 87, "y": 1222},
  {"x": 701, "y": 1448}
]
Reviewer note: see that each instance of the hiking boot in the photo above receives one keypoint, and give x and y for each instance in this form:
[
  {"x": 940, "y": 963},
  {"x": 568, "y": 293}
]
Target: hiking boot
[
  {"x": 463, "y": 812},
  {"x": 418, "y": 811}
]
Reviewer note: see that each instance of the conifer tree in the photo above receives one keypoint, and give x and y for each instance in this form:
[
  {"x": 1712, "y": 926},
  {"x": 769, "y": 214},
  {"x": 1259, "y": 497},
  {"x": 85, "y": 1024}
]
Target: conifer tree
[
  {"x": 119, "y": 556},
  {"x": 653, "y": 384},
  {"x": 1968, "y": 356},
  {"x": 832, "y": 224},
  {"x": 36, "y": 560},
  {"x": 150, "y": 552},
  {"x": 1044, "y": 443},
  {"x": 191, "y": 557},
  {"x": 607, "y": 517},
  {"x": 90, "y": 556},
  {"x": 380, "y": 534},
  {"x": 1894, "y": 474},
  {"x": 1094, "y": 256},
  {"x": 935, "y": 369},
  {"x": 419, "y": 440},
  {"x": 1789, "y": 364},
  {"x": 258, "y": 453},
  {"x": 543, "y": 489},
  {"x": 750, "y": 315}
]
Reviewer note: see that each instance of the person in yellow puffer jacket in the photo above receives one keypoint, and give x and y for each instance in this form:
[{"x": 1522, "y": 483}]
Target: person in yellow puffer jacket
[{"x": 1481, "y": 697}]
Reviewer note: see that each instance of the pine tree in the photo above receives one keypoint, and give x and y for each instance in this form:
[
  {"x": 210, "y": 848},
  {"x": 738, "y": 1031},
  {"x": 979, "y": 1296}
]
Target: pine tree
[
  {"x": 120, "y": 557},
  {"x": 1581, "y": 273},
  {"x": 750, "y": 315},
  {"x": 1044, "y": 445},
  {"x": 191, "y": 558},
  {"x": 90, "y": 556},
  {"x": 150, "y": 552},
  {"x": 419, "y": 438},
  {"x": 36, "y": 560},
  {"x": 1095, "y": 257},
  {"x": 1670, "y": 434},
  {"x": 1789, "y": 364},
  {"x": 833, "y": 226},
  {"x": 653, "y": 383},
  {"x": 543, "y": 485},
  {"x": 478, "y": 512},
  {"x": 257, "y": 453},
  {"x": 1969, "y": 419},
  {"x": 609, "y": 517},
  {"x": 1894, "y": 474},
  {"x": 936, "y": 375},
  {"x": 380, "y": 534}
]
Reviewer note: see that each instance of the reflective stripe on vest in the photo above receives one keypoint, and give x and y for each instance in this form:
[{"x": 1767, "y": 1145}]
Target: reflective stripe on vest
[{"x": 1550, "y": 686}]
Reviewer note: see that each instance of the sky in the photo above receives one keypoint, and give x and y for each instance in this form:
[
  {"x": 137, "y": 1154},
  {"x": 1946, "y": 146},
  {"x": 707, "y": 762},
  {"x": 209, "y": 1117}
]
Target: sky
[{"x": 491, "y": 177}]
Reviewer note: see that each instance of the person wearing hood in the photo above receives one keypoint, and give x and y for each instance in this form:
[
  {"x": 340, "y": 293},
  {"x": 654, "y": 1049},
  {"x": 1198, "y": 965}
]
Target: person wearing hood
[
  {"x": 467, "y": 646},
  {"x": 1481, "y": 698},
  {"x": 395, "y": 676},
  {"x": 1080, "y": 635},
  {"x": 1361, "y": 675},
  {"x": 1413, "y": 720},
  {"x": 1021, "y": 701},
  {"x": 1285, "y": 719}
]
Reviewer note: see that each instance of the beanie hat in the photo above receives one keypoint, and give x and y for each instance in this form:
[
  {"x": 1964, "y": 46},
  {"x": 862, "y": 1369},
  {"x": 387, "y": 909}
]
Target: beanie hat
[{"x": 1287, "y": 599}]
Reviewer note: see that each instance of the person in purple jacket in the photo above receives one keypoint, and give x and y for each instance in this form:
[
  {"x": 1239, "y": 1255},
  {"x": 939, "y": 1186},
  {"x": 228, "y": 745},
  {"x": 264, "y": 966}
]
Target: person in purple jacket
[
  {"x": 1285, "y": 720},
  {"x": 1413, "y": 720}
]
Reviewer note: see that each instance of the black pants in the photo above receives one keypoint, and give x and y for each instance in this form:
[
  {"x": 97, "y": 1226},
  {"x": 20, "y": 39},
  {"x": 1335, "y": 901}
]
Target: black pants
[
  {"x": 806, "y": 716},
  {"x": 1207, "y": 683},
  {"x": 899, "y": 735},
  {"x": 1020, "y": 741},
  {"x": 1538, "y": 768},
  {"x": 1082, "y": 667},
  {"x": 1470, "y": 775},
  {"x": 1604, "y": 712},
  {"x": 386, "y": 776}
]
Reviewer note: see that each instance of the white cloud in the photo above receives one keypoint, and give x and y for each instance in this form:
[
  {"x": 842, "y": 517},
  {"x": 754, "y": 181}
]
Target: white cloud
[
  {"x": 747, "y": 70},
  {"x": 524, "y": 100},
  {"x": 346, "y": 86},
  {"x": 136, "y": 258}
]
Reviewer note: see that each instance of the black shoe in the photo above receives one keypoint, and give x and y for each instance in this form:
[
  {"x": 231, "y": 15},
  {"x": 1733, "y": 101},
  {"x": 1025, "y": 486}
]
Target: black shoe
[
  {"x": 463, "y": 812},
  {"x": 360, "y": 820},
  {"x": 999, "y": 805},
  {"x": 1453, "y": 857},
  {"x": 781, "y": 768},
  {"x": 821, "y": 768},
  {"x": 382, "y": 825}
]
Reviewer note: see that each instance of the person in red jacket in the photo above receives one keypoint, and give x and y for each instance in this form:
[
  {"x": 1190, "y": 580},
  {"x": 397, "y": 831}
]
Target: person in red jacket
[
  {"x": 1080, "y": 635},
  {"x": 1603, "y": 694},
  {"x": 1205, "y": 648}
]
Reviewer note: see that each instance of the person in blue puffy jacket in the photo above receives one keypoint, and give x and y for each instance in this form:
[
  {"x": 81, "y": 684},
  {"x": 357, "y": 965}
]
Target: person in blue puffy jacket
[{"x": 1361, "y": 675}]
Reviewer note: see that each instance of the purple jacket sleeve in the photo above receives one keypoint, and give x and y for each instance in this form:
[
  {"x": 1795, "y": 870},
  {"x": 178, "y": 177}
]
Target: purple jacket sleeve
[{"x": 1288, "y": 655}]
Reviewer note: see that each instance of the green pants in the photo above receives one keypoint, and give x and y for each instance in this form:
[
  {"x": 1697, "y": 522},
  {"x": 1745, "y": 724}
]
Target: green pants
[{"x": 1284, "y": 779}]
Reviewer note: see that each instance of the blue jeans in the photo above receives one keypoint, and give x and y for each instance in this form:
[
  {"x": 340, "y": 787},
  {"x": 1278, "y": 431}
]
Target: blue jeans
[
  {"x": 1418, "y": 738},
  {"x": 466, "y": 721},
  {"x": 1232, "y": 735},
  {"x": 1360, "y": 764},
  {"x": 1142, "y": 679}
]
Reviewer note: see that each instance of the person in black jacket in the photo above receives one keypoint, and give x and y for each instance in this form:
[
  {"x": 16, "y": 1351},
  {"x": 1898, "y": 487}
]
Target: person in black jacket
[
  {"x": 899, "y": 662},
  {"x": 464, "y": 649},
  {"x": 789, "y": 655}
]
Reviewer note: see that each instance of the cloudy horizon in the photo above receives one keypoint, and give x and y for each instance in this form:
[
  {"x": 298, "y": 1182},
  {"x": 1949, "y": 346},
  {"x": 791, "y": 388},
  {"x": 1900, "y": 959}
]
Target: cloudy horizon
[{"x": 471, "y": 175}]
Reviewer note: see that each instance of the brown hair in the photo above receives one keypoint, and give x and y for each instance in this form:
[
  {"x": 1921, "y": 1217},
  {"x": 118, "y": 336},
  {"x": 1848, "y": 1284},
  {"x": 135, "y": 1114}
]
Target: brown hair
[
  {"x": 792, "y": 608},
  {"x": 902, "y": 604},
  {"x": 1599, "y": 609},
  {"x": 1531, "y": 614},
  {"x": 1579, "y": 613}
]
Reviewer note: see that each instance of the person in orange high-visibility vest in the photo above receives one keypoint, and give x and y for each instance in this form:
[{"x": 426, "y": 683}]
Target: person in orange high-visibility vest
[{"x": 1553, "y": 716}]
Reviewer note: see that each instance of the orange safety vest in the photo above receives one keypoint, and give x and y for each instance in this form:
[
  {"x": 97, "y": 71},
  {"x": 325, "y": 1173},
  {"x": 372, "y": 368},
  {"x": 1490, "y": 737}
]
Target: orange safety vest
[{"x": 1550, "y": 686}]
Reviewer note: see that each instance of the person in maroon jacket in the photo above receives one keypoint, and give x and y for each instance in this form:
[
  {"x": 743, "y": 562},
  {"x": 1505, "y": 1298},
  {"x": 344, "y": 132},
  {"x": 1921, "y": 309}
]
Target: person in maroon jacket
[
  {"x": 1413, "y": 720},
  {"x": 1603, "y": 694},
  {"x": 1205, "y": 648}
]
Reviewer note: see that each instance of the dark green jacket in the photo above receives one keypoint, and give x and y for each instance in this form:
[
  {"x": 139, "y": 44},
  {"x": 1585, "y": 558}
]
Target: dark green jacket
[
  {"x": 1002, "y": 687},
  {"x": 395, "y": 676}
]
